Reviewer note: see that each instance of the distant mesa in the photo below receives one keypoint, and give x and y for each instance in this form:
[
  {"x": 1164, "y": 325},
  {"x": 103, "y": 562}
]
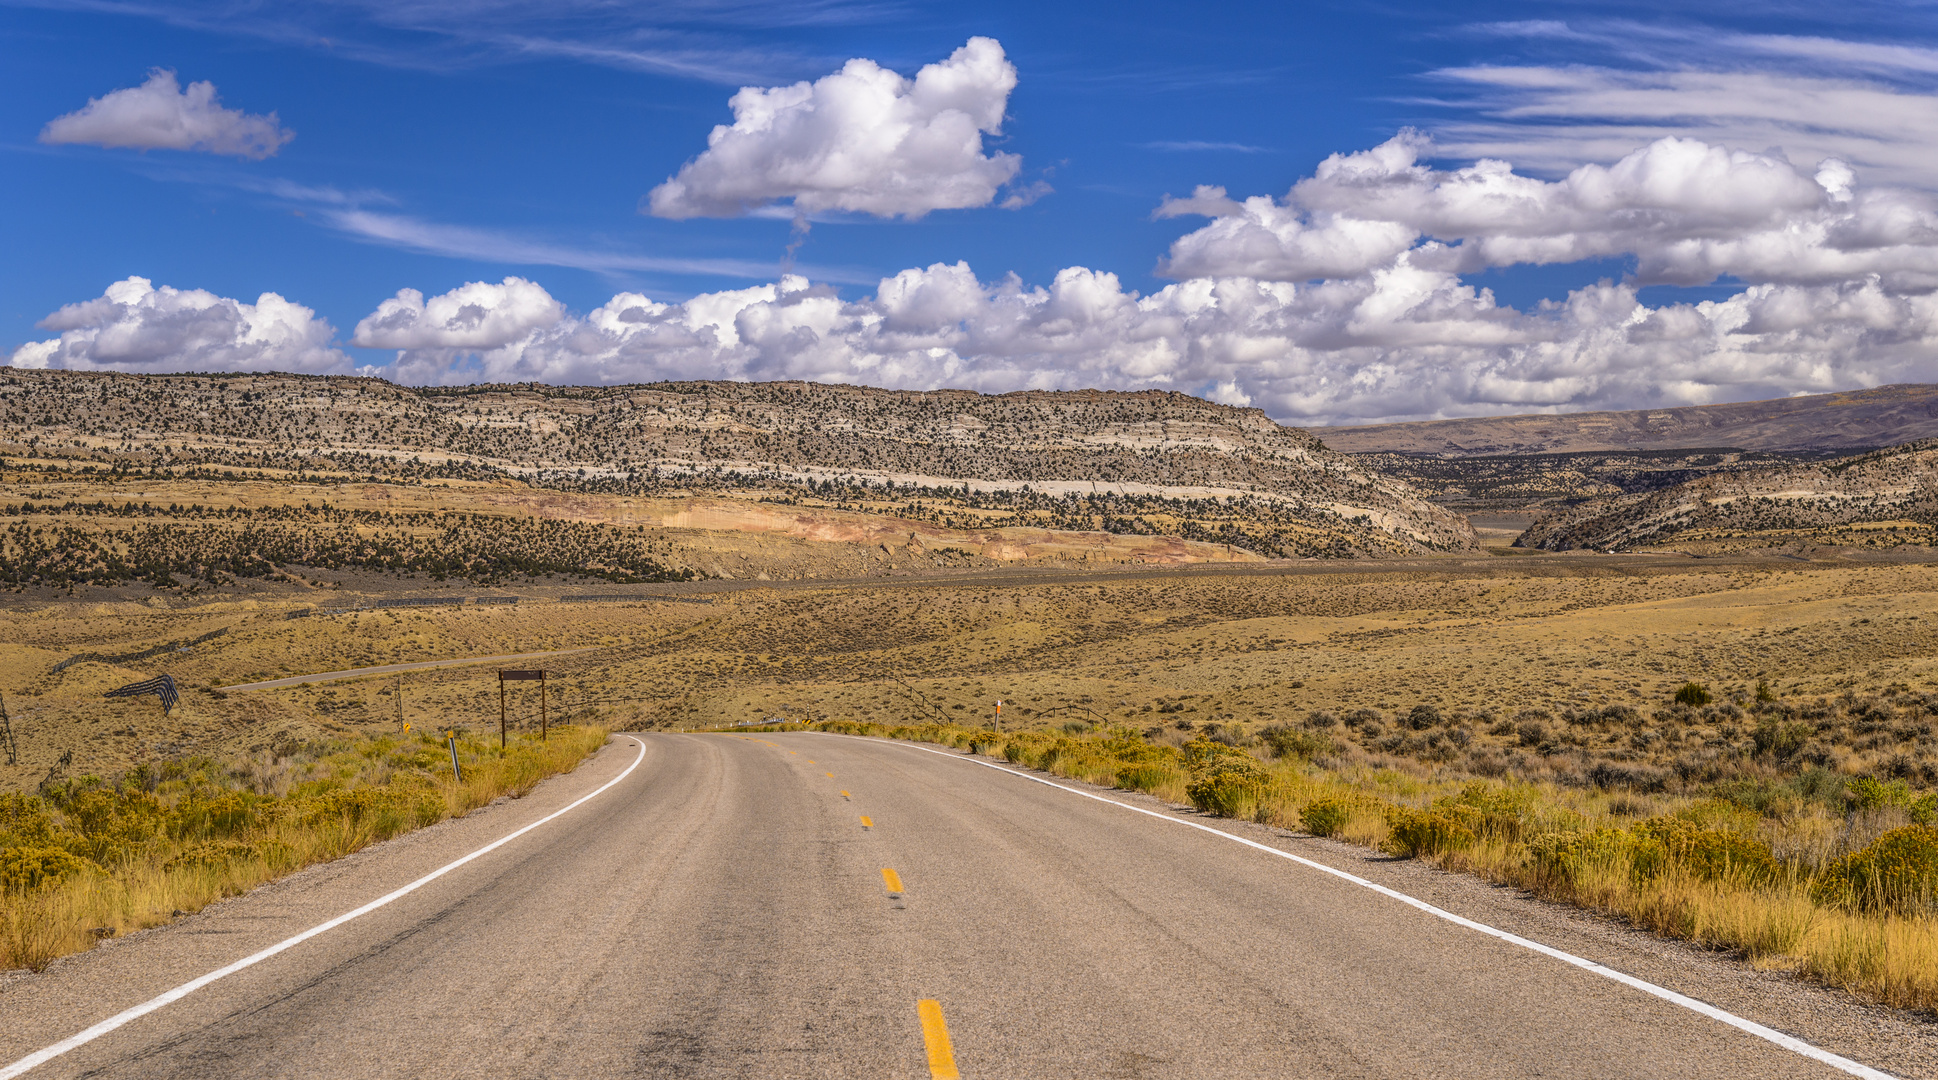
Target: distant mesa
[
  {"x": 1847, "y": 422},
  {"x": 1005, "y": 477},
  {"x": 1884, "y": 498}
]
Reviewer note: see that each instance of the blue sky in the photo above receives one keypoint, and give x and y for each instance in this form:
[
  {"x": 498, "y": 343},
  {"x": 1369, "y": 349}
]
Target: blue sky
[{"x": 439, "y": 145}]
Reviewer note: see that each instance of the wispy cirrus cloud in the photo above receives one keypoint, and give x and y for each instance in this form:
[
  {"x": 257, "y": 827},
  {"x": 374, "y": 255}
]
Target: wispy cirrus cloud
[
  {"x": 502, "y": 246},
  {"x": 1195, "y": 146},
  {"x": 711, "y": 41},
  {"x": 1872, "y": 104}
]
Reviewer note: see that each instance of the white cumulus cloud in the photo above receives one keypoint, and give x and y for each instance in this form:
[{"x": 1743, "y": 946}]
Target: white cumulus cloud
[
  {"x": 862, "y": 140},
  {"x": 475, "y": 316},
  {"x": 137, "y": 327},
  {"x": 1687, "y": 211},
  {"x": 1343, "y": 301},
  {"x": 161, "y": 115}
]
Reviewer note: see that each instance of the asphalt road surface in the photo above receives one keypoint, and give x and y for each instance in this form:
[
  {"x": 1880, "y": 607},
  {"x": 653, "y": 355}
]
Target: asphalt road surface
[{"x": 815, "y": 906}]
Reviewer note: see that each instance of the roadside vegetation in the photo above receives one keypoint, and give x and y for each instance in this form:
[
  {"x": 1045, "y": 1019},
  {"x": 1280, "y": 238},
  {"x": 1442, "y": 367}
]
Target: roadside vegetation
[
  {"x": 90, "y": 858},
  {"x": 1781, "y": 860}
]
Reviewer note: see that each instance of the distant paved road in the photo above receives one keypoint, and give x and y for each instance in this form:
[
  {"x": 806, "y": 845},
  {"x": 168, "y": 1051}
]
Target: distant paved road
[
  {"x": 385, "y": 669},
  {"x": 723, "y": 912}
]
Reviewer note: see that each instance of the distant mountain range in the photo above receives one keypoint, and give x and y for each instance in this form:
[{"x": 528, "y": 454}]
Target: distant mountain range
[{"x": 1851, "y": 421}]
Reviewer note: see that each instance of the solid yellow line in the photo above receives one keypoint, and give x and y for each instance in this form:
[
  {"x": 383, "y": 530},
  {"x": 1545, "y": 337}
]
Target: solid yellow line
[
  {"x": 893, "y": 879},
  {"x": 867, "y": 822},
  {"x": 935, "y": 1034}
]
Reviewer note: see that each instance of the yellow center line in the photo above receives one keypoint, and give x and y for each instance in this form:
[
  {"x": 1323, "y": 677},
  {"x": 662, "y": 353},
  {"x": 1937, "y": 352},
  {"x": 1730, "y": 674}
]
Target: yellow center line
[
  {"x": 893, "y": 879},
  {"x": 829, "y": 775},
  {"x": 867, "y": 822},
  {"x": 935, "y": 1035},
  {"x": 844, "y": 794}
]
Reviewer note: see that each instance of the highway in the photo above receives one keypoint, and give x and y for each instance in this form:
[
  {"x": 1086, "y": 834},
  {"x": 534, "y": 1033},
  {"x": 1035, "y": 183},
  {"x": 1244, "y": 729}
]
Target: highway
[{"x": 809, "y": 905}]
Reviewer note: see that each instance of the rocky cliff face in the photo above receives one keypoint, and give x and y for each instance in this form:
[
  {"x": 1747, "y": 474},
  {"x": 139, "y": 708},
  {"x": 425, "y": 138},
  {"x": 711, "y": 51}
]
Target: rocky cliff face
[
  {"x": 1884, "y": 498},
  {"x": 746, "y": 437}
]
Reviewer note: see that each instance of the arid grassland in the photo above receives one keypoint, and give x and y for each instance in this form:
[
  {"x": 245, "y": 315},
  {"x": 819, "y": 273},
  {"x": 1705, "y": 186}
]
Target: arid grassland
[
  {"x": 90, "y": 857},
  {"x": 1518, "y": 717}
]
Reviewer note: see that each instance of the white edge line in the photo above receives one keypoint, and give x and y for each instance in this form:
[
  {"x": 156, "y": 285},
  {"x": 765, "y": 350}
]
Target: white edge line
[
  {"x": 1788, "y": 1042},
  {"x": 82, "y": 1038}
]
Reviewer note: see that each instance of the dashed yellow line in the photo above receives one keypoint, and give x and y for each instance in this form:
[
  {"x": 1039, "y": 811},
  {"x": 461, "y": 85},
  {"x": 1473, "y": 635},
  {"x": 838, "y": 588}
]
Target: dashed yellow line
[
  {"x": 867, "y": 822},
  {"x": 893, "y": 880},
  {"x": 845, "y": 795},
  {"x": 935, "y": 1035},
  {"x": 829, "y": 775}
]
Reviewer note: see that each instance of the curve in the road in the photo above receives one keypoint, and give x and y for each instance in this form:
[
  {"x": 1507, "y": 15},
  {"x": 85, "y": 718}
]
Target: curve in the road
[{"x": 1788, "y": 1042}]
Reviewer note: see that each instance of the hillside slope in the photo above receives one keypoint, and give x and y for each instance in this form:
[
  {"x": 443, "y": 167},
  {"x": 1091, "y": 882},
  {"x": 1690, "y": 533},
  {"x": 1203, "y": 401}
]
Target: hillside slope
[
  {"x": 1856, "y": 420},
  {"x": 1139, "y": 464},
  {"x": 1883, "y": 498}
]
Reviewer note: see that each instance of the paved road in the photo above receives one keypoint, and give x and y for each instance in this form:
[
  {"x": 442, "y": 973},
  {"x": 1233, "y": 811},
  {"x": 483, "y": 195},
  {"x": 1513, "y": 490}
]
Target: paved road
[
  {"x": 723, "y": 912},
  {"x": 385, "y": 669}
]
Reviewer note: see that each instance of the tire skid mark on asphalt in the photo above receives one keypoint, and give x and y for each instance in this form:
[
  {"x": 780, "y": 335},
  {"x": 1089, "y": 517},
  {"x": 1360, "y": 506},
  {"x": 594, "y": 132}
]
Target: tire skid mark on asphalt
[
  {"x": 1750, "y": 1027},
  {"x": 160, "y": 1001}
]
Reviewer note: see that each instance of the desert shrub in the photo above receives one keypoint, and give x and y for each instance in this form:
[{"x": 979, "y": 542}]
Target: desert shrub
[
  {"x": 26, "y": 868},
  {"x": 1228, "y": 791},
  {"x": 1425, "y": 832},
  {"x": 1362, "y": 717},
  {"x": 1325, "y": 817},
  {"x": 1423, "y": 717},
  {"x": 1712, "y": 854},
  {"x": 1898, "y": 872},
  {"x": 1502, "y": 727},
  {"x": 1531, "y": 732},
  {"x": 1146, "y": 777},
  {"x": 212, "y": 853},
  {"x": 1287, "y": 741},
  {"x": 1625, "y": 715},
  {"x": 1866, "y": 793},
  {"x": 1489, "y": 811},
  {"x": 24, "y": 818},
  {"x": 1320, "y": 719},
  {"x": 1610, "y": 775},
  {"x": 1562, "y": 859},
  {"x": 1692, "y": 694},
  {"x": 1780, "y": 740}
]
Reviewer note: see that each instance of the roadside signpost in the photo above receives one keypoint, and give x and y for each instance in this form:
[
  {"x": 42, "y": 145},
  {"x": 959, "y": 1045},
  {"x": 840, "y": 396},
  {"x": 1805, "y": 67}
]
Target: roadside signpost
[
  {"x": 6, "y": 733},
  {"x": 520, "y": 676},
  {"x": 457, "y": 774}
]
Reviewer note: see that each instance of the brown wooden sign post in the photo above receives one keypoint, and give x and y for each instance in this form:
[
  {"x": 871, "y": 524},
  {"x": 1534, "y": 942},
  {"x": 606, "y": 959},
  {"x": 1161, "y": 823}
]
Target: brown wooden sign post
[{"x": 520, "y": 676}]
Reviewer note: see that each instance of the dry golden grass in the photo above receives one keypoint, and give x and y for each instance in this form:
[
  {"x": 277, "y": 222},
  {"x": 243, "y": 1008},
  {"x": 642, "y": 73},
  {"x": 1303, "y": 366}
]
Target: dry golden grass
[{"x": 146, "y": 873}]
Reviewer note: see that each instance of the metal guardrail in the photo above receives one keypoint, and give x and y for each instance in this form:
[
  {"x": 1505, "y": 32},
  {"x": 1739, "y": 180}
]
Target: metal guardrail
[
  {"x": 632, "y": 598},
  {"x": 129, "y": 658}
]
